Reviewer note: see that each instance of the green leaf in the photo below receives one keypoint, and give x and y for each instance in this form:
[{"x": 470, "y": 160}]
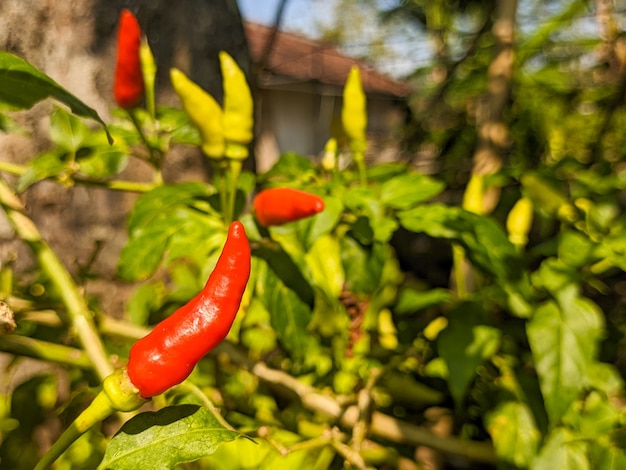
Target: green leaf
[
  {"x": 408, "y": 190},
  {"x": 485, "y": 243},
  {"x": 142, "y": 254},
  {"x": 145, "y": 299},
  {"x": 555, "y": 276},
  {"x": 465, "y": 344},
  {"x": 44, "y": 166},
  {"x": 593, "y": 417},
  {"x": 159, "y": 202},
  {"x": 363, "y": 201},
  {"x": 363, "y": 265},
  {"x": 290, "y": 167},
  {"x": 257, "y": 334},
  {"x": 385, "y": 171},
  {"x": 244, "y": 454},
  {"x": 103, "y": 161},
  {"x": 290, "y": 316},
  {"x": 177, "y": 218},
  {"x": 22, "y": 85},
  {"x": 325, "y": 221},
  {"x": 67, "y": 131},
  {"x": 608, "y": 451},
  {"x": 576, "y": 249},
  {"x": 324, "y": 261},
  {"x": 562, "y": 450},
  {"x": 283, "y": 267},
  {"x": 563, "y": 342},
  {"x": 514, "y": 434},
  {"x": 161, "y": 440},
  {"x": 412, "y": 301},
  {"x": 175, "y": 122}
]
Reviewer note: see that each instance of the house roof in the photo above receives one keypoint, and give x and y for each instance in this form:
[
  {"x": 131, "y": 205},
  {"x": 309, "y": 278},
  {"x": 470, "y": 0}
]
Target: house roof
[{"x": 305, "y": 60}]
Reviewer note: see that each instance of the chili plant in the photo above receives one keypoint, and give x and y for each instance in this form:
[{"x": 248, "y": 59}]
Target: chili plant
[{"x": 318, "y": 339}]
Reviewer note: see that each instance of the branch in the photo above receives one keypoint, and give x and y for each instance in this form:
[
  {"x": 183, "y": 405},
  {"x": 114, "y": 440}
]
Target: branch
[
  {"x": 44, "y": 350},
  {"x": 381, "y": 425},
  {"x": 79, "y": 314}
]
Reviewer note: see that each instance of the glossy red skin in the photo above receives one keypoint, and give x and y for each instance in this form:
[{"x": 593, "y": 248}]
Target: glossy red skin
[
  {"x": 168, "y": 354},
  {"x": 128, "y": 87},
  {"x": 278, "y": 206}
]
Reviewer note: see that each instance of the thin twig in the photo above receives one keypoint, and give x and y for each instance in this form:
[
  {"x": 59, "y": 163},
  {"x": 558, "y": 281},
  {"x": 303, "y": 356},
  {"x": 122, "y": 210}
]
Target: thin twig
[
  {"x": 77, "y": 309},
  {"x": 44, "y": 350},
  {"x": 382, "y": 425}
]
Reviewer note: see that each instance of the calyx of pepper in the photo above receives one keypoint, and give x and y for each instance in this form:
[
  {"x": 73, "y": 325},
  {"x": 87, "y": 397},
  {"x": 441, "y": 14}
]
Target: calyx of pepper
[{"x": 121, "y": 392}]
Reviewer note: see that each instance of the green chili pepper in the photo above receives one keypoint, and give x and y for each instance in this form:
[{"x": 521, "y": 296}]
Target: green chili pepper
[
  {"x": 238, "y": 108},
  {"x": 203, "y": 111},
  {"x": 519, "y": 222},
  {"x": 148, "y": 70},
  {"x": 354, "y": 113},
  {"x": 474, "y": 196}
]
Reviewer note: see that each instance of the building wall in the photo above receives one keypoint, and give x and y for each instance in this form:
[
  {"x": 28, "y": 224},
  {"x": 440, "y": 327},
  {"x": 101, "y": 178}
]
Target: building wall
[{"x": 298, "y": 119}]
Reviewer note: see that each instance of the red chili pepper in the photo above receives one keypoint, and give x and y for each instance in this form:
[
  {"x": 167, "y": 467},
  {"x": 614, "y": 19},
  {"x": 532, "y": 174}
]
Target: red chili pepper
[
  {"x": 278, "y": 206},
  {"x": 128, "y": 87},
  {"x": 168, "y": 354}
]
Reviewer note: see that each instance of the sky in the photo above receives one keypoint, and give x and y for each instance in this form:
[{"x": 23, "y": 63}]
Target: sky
[
  {"x": 301, "y": 16},
  {"x": 298, "y": 16}
]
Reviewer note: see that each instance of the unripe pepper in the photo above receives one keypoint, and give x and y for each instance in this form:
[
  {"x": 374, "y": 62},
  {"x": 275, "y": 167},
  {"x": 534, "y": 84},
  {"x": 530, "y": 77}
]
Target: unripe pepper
[
  {"x": 238, "y": 108},
  {"x": 278, "y": 206},
  {"x": 168, "y": 354},
  {"x": 203, "y": 111},
  {"x": 354, "y": 112},
  {"x": 128, "y": 85},
  {"x": 519, "y": 222}
]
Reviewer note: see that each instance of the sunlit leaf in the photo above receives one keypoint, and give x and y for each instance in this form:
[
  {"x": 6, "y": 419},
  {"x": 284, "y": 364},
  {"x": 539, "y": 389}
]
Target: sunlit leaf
[
  {"x": 563, "y": 343},
  {"x": 407, "y": 190},
  {"x": 46, "y": 165},
  {"x": 22, "y": 85},
  {"x": 513, "y": 432},
  {"x": 67, "y": 131},
  {"x": 562, "y": 449},
  {"x": 174, "y": 217},
  {"x": 161, "y": 440},
  {"x": 289, "y": 314},
  {"x": 324, "y": 260}
]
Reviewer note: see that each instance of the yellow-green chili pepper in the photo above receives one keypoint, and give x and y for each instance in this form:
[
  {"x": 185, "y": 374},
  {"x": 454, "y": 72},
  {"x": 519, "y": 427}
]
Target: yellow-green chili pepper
[
  {"x": 203, "y": 111},
  {"x": 329, "y": 161},
  {"x": 148, "y": 70},
  {"x": 238, "y": 108},
  {"x": 474, "y": 195},
  {"x": 354, "y": 112},
  {"x": 519, "y": 222}
]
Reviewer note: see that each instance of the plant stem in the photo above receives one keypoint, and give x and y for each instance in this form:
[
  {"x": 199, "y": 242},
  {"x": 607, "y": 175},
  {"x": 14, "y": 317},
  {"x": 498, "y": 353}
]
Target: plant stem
[
  {"x": 99, "y": 409},
  {"x": 119, "y": 185},
  {"x": 115, "y": 185},
  {"x": 69, "y": 292},
  {"x": 459, "y": 263},
  {"x": 219, "y": 178},
  {"x": 12, "y": 168},
  {"x": 44, "y": 350},
  {"x": 234, "y": 170},
  {"x": 381, "y": 425},
  {"x": 154, "y": 159},
  {"x": 360, "y": 163}
]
